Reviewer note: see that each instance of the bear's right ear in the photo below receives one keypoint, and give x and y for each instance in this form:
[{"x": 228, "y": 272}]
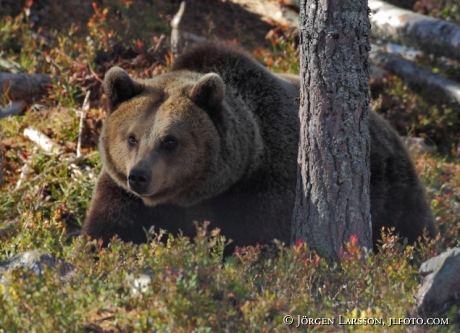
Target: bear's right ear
[
  {"x": 119, "y": 87},
  {"x": 209, "y": 91}
]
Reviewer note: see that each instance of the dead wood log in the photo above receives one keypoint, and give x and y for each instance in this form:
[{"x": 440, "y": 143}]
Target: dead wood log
[
  {"x": 41, "y": 140},
  {"x": 425, "y": 33},
  {"x": 12, "y": 109},
  {"x": 26, "y": 87},
  {"x": 421, "y": 80},
  {"x": 10, "y": 66}
]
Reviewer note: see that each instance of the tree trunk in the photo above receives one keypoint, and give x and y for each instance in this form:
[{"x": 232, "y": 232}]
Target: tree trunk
[
  {"x": 432, "y": 87},
  {"x": 421, "y": 32},
  {"x": 333, "y": 201}
]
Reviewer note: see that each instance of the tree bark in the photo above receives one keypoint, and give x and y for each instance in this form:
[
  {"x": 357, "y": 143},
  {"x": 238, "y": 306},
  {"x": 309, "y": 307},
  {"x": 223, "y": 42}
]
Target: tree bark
[
  {"x": 25, "y": 87},
  {"x": 421, "y": 32},
  {"x": 332, "y": 201},
  {"x": 432, "y": 87}
]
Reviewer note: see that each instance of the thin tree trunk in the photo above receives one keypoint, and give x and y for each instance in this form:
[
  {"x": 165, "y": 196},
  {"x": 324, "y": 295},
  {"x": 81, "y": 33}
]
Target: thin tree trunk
[
  {"x": 333, "y": 200},
  {"x": 421, "y": 32},
  {"x": 433, "y": 87}
]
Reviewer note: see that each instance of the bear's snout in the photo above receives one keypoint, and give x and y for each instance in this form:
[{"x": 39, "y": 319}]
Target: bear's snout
[{"x": 139, "y": 180}]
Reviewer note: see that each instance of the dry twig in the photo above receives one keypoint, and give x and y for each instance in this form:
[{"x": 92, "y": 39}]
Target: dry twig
[
  {"x": 22, "y": 176},
  {"x": 83, "y": 111},
  {"x": 176, "y": 38}
]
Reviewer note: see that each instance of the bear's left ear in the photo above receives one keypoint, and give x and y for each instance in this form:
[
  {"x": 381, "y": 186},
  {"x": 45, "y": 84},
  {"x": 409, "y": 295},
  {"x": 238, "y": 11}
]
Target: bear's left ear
[
  {"x": 119, "y": 87},
  {"x": 209, "y": 91}
]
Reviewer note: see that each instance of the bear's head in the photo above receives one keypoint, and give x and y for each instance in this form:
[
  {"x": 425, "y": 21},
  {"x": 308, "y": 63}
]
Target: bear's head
[{"x": 159, "y": 140}]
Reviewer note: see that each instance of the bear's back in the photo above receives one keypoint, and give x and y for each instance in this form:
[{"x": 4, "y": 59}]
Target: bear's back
[{"x": 270, "y": 98}]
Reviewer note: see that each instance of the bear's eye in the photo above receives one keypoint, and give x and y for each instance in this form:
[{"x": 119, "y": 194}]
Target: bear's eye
[
  {"x": 169, "y": 143},
  {"x": 132, "y": 140}
]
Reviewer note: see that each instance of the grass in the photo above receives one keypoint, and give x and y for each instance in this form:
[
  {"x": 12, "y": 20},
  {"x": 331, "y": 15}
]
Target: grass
[{"x": 192, "y": 289}]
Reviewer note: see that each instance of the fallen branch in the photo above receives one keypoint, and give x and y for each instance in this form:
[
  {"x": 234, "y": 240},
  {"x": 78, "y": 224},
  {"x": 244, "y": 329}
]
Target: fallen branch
[
  {"x": 189, "y": 37},
  {"x": 41, "y": 140},
  {"x": 417, "y": 145},
  {"x": 25, "y": 87},
  {"x": 12, "y": 109},
  {"x": 421, "y": 32},
  {"x": 10, "y": 66},
  {"x": 421, "y": 80}
]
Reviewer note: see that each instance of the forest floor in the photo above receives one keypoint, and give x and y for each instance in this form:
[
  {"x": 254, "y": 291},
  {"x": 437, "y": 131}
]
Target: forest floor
[{"x": 247, "y": 20}]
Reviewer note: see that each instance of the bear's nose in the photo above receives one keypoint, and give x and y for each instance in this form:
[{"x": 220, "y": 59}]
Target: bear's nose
[{"x": 138, "y": 180}]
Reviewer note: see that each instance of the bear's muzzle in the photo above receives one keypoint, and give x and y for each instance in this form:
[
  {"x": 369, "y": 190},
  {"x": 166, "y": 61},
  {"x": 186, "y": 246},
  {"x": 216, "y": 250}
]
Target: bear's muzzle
[{"x": 139, "y": 180}]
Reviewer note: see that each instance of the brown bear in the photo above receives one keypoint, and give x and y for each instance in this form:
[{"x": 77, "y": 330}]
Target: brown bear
[{"x": 216, "y": 139}]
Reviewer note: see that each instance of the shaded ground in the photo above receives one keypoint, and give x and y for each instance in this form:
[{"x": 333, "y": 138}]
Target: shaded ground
[{"x": 211, "y": 18}]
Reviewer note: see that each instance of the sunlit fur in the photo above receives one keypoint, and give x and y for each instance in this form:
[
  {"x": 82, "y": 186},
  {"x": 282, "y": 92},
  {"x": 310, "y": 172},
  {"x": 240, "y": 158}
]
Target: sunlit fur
[{"x": 235, "y": 161}]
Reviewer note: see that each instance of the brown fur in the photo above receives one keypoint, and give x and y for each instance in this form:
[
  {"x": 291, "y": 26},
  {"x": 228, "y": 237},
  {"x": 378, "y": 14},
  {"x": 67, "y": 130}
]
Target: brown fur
[{"x": 235, "y": 129}]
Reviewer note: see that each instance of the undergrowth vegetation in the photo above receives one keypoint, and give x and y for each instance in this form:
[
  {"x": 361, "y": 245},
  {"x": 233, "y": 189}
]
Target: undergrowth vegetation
[{"x": 45, "y": 195}]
